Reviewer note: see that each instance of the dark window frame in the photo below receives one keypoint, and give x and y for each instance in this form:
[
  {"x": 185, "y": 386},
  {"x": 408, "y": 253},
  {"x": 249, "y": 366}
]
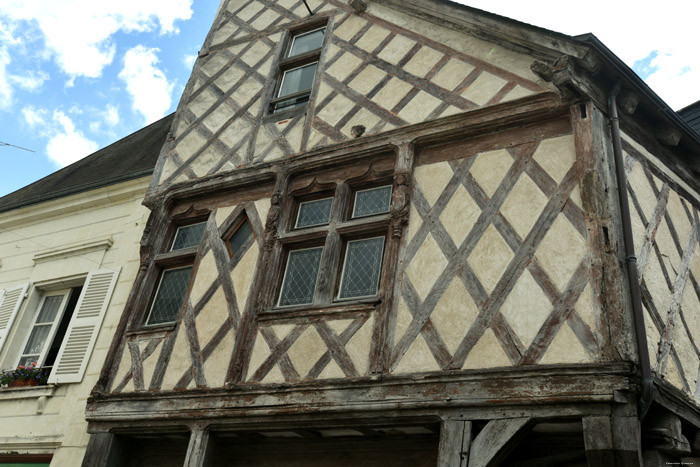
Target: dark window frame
[
  {"x": 169, "y": 260},
  {"x": 286, "y": 64},
  {"x": 334, "y": 237}
]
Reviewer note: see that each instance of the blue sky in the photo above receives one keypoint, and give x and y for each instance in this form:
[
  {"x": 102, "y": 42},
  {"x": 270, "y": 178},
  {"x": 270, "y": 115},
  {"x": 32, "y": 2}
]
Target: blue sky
[{"x": 77, "y": 75}]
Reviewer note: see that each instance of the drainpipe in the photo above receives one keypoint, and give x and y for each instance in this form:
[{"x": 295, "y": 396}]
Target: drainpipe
[{"x": 647, "y": 392}]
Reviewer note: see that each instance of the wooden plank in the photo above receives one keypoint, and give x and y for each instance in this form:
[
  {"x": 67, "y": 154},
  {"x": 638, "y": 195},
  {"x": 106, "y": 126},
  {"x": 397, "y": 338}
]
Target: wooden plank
[
  {"x": 597, "y": 436},
  {"x": 490, "y": 447},
  {"x": 455, "y": 442},
  {"x": 103, "y": 450},
  {"x": 200, "y": 448}
]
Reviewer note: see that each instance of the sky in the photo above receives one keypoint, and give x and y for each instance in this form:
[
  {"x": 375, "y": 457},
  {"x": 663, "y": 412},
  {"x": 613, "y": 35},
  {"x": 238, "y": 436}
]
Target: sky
[{"x": 77, "y": 75}]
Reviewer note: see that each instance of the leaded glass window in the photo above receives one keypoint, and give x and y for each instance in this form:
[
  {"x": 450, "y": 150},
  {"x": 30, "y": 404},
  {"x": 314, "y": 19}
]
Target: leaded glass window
[
  {"x": 363, "y": 265},
  {"x": 239, "y": 237},
  {"x": 299, "y": 282},
  {"x": 317, "y": 212},
  {"x": 169, "y": 296},
  {"x": 188, "y": 236},
  {"x": 372, "y": 201}
]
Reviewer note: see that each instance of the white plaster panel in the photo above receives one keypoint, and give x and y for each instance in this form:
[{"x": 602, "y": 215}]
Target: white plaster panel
[
  {"x": 426, "y": 267},
  {"x": 526, "y": 308},
  {"x": 556, "y": 156},
  {"x": 484, "y": 88},
  {"x": 524, "y": 205},
  {"x": 489, "y": 168},
  {"x": 216, "y": 366},
  {"x": 565, "y": 348},
  {"x": 207, "y": 273},
  {"x": 454, "y": 314},
  {"x": 423, "y": 61},
  {"x": 417, "y": 359},
  {"x": 432, "y": 179},
  {"x": 306, "y": 351},
  {"x": 460, "y": 215},
  {"x": 371, "y": 39},
  {"x": 561, "y": 251},
  {"x": 486, "y": 353},
  {"x": 419, "y": 108},
  {"x": 392, "y": 93},
  {"x": 243, "y": 274},
  {"x": 180, "y": 360},
  {"x": 490, "y": 258},
  {"x": 359, "y": 346},
  {"x": 397, "y": 49}
]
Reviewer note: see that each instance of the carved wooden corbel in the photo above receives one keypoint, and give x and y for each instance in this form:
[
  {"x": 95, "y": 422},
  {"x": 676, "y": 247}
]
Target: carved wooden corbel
[
  {"x": 400, "y": 203},
  {"x": 271, "y": 224}
]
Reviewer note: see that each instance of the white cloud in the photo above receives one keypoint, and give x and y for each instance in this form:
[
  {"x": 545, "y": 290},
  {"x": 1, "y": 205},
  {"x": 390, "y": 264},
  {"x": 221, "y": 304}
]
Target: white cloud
[
  {"x": 147, "y": 85},
  {"x": 68, "y": 144},
  {"x": 34, "y": 117},
  {"x": 31, "y": 81},
  {"x": 5, "y": 88},
  {"x": 111, "y": 115},
  {"x": 189, "y": 60},
  {"x": 79, "y": 32}
]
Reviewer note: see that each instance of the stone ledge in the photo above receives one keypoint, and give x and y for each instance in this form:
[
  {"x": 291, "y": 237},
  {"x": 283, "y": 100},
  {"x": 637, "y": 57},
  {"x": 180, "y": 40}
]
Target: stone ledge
[{"x": 27, "y": 392}]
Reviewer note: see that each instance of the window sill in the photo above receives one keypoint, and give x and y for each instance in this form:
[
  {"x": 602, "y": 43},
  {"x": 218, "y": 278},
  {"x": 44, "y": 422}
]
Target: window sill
[
  {"x": 29, "y": 392},
  {"x": 151, "y": 330},
  {"x": 285, "y": 114},
  {"x": 335, "y": 308}
]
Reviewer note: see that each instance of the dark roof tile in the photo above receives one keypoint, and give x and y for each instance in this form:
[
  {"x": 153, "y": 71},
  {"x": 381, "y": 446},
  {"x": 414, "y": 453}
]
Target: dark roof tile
[{"x": 131, "y": 157}]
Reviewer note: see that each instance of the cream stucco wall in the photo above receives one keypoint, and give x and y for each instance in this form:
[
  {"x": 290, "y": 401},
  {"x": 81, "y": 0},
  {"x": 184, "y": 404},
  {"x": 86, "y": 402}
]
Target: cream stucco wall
[
  {"x": 664, "y": 215},
  {"x": 75, "y": 235}
]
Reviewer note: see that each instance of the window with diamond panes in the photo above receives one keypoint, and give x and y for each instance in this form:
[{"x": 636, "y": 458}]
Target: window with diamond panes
[
  {"x": 372, "y": 201},
  {"x": 311, "y": 213},
  {"x": 362, "y": 267},
  {"x": 169, "y": 296},
  {"x": 173, "y": 281},
  {"x": 349, "y": 234},
  {"x": 300, "y": 277},
  {"x": 297, "y": 71},
  {"x": 188, "y": 236}
]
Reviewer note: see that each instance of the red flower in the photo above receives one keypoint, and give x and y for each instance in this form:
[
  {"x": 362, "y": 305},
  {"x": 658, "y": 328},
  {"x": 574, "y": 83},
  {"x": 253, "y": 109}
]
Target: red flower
[{"x": 20, "y": 367}]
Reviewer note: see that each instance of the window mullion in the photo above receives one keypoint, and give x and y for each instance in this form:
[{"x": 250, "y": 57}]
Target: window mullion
[
  {"x": 328, "y": 270},
  {"x": 327, "y": 277}
]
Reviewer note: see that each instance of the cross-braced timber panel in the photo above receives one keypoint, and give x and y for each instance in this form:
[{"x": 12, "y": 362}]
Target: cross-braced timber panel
[
  {"x": 665, "y": 225},
  {"x": 373, "y": 73},
  {"x": 313, "y": 350},
  {"x": 199, "y": 351},
  {"x": 497, "y": 263}
]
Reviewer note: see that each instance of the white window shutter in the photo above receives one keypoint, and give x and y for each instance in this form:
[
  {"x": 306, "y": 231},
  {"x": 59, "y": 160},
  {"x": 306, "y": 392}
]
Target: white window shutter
[
  {"x": 10, "y": 302},
  {"x": 84, "y": 326}
]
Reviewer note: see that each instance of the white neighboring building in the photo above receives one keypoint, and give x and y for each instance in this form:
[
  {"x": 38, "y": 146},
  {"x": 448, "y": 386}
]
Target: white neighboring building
[{"x": 69, "y": 252}]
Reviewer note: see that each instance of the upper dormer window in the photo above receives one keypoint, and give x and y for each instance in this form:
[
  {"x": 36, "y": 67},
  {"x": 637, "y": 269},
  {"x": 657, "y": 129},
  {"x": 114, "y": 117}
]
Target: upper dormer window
[{"x": 297, "y": 70}]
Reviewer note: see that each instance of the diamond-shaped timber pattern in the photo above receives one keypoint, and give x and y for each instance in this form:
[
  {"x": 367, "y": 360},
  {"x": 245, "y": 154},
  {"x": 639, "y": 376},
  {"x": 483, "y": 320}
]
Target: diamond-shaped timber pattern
[
  {"x": 198, "y": 352},
  {"x": 330, "y": 348},
  {"x": 665, "y": 225},
  {"x": 475, "y": 283},
  {"x": 372, "y": 73}
]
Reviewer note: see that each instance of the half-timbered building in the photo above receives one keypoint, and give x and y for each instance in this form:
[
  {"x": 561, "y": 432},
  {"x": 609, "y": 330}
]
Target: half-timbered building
[{"x": 409, "y": 233}]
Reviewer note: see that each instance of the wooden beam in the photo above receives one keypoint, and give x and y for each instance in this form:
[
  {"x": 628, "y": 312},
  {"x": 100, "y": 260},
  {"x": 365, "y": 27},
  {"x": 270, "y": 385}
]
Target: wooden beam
[
  {"x": 103, "y": 450},
  {"x": 490, "y": 447},
  {"x": 455, "y": 441},
  {"x": 598, "y": 439},
  {"x": 199, "y": 450}
]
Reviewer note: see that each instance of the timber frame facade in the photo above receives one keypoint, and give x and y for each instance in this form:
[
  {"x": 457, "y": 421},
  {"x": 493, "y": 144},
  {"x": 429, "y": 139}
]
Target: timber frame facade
[{"x": 502, "y": 330}]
